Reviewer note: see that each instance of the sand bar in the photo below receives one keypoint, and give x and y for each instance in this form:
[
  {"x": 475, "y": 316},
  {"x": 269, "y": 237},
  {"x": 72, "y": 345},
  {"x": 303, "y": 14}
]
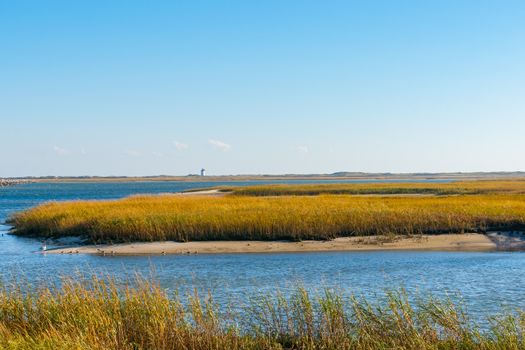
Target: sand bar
[{"x": 445, "y": 242}]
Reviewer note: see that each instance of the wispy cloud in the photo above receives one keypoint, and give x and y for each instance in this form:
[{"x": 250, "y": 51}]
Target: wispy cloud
[
  {"x": 157, "y": 154},
  {"x": 180, "y": 146},
  {"x": 302, "y": 149},
  {"x": 60, "y": 151},
  {"x": 223, "y": 146},
  {"x": 83, "y": 151},
  {"x": 133, "y": 153}
]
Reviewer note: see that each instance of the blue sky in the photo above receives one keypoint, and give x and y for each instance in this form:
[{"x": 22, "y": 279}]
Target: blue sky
[{"x": 248, "y": 87}]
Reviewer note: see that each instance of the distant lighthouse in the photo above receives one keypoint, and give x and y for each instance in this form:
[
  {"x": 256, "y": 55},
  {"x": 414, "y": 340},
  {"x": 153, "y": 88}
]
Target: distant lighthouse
[{"x": 203, "y": 172}]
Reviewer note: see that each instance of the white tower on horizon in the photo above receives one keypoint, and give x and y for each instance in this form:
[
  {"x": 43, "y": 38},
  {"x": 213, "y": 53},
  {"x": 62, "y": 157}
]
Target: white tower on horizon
[{"x": 203, "y": 172}]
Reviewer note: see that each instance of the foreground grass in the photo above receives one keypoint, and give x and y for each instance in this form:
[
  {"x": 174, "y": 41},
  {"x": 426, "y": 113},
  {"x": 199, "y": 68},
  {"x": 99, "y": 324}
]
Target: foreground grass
[
  {"x": 187, "y": 218},
  {"x": 99, "y": 315}
]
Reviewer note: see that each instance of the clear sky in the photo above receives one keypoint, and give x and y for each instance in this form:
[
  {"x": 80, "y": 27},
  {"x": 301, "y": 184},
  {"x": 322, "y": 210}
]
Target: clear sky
[{"x": 247, "y": 87}]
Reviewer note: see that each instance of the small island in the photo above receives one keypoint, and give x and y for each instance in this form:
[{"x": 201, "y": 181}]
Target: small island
[{"x": 466, "y": 215}]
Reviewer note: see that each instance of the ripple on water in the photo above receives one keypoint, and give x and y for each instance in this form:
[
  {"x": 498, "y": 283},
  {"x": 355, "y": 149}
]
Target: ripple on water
[{"x": 485, "y": 281}]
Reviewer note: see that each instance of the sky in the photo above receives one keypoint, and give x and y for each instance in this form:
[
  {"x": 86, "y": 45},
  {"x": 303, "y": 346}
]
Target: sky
[{"x": 131, "y": 88}]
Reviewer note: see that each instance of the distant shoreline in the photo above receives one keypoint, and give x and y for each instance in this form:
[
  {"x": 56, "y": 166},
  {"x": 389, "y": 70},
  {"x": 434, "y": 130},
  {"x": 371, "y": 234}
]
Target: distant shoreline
[
  {"x": 444, "y": 242},
  {"x": 341, "y": 176}
]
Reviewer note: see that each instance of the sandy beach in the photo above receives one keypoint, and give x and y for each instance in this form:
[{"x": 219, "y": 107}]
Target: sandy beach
[{"x": 446, "y": 242}]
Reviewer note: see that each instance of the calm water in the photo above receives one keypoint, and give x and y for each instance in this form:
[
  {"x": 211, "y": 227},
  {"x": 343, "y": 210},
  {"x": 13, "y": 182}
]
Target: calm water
[{"x": 486, "y": 281}]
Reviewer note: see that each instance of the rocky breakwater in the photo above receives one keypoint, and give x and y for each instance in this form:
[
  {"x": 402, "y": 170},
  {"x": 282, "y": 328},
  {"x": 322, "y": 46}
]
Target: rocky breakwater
[{"x": 11, "y": 182}]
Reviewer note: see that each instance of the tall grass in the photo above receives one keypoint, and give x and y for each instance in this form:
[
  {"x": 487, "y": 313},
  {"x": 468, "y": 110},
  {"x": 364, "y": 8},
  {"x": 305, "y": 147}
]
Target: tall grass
[
  {"x": 187, "y": 218},
  {"x": 100, "y": 315},
  {"x": 451, "y": 188}
]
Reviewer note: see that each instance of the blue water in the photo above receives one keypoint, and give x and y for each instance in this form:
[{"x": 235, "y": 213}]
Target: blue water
[{"x": 485, "y": 282}]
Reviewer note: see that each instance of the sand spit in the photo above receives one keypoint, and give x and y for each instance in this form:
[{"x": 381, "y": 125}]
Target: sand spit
[
  {"x": 210, "y": 192},
  {"x": 445, "y": 242}
]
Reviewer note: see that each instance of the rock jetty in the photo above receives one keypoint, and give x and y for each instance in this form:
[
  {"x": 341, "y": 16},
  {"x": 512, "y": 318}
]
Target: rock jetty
[{"x": 11, "y": 182}]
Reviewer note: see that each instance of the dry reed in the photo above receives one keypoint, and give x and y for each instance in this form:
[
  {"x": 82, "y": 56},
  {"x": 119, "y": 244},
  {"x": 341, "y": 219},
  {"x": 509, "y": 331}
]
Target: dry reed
[{"x": 99, "y": 315}]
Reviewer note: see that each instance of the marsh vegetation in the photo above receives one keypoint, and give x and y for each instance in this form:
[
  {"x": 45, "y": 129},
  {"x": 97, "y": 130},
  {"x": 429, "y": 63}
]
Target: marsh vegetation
[
  {"x": 495, "y": 205},
  {"x": 98, "y": 314},
  {"x": 407, "y": 188}
]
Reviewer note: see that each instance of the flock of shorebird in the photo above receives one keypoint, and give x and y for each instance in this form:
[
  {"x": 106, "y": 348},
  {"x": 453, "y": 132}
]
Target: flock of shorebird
[
  {"x": 103, "y": 252},
  {"x": 70, "y": 252},
  {"x": 112, "y": 252}
]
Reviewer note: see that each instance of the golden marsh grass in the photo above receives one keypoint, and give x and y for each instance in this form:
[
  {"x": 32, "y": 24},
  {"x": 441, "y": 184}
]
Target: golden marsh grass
[
  {"x": 426, "y": 188},
  {"x": 230, "y": 217}
]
